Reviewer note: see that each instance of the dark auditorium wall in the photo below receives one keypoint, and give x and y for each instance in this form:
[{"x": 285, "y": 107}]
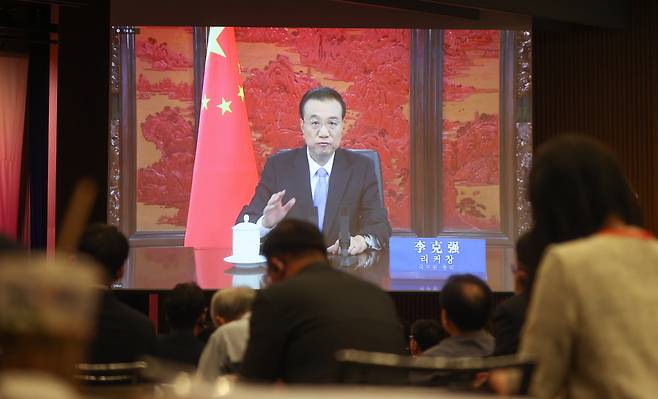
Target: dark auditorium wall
[
  {"x": 604, "y": 83},
  {"x": 83, "y": 90}
]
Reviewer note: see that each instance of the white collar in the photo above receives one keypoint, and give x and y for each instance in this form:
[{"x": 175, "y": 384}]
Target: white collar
[{"x": 314, "y": 166}]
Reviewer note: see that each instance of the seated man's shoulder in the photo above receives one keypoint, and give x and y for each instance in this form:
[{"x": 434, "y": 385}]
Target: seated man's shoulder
[
  {"x": 475, "y": 344},
  {"x": 286, "y": 154},
  {"x": 323, "y": 273},
  {"x": 436, "y": 350},
  {"x": 325, "y": 279},
  {"x": 514, "y": 305},
  {"x": 116, "y": 309},
  {"x": 239, "y": 327}
]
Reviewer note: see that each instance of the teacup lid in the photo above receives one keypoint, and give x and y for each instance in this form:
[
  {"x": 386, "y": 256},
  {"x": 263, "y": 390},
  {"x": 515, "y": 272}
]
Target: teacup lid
[{"x": 246, "y": 225}]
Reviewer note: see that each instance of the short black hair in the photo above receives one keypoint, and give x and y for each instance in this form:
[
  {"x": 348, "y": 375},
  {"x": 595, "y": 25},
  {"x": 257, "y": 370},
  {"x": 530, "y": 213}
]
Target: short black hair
[
  {"x": 467, "y": 309},
  {"x": 427, "y": 333},
  {"x": 107, "y": 245},
  {"x": 529, "y": 251},
  {"x": 575, "y": 185},
  {"x": 322, "y": 94},
  {"x": 293, "y": 237},
  {"x": 184, "y": 305}
]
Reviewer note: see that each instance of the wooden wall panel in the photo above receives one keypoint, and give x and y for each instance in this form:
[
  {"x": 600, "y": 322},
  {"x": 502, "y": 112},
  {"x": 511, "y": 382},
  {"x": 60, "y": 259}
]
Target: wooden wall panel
[{"x": 604, "y": 83}]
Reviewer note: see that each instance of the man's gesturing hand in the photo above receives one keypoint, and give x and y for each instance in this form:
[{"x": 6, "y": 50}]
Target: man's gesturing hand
[
  {"x": 275, "y": 211},
  {"x": 358, "y": 244}
]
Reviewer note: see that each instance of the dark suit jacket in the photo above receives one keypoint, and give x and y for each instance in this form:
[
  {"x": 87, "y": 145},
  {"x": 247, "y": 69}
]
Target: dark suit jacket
[
  {"x": 122, "y": 334},
  {"x": 508, "y": 319},
  {"x": 352, "y": 186},
  {"x": 298, "y": 324},
  {"x": 180, "y": 346},
  {"x": 471, "y": 344}
]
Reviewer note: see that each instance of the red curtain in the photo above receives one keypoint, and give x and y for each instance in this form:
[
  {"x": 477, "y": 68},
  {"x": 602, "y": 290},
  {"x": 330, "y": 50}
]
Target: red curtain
[{"x": 13, "y": 89}]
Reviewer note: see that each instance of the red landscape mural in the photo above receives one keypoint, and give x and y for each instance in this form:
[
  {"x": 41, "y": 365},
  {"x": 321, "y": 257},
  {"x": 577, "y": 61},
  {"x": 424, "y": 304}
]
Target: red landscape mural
[
  {"x": 165, "y": 126},
  {"x": 471, "y": 145},
  {"x": 371, "y": 69}
]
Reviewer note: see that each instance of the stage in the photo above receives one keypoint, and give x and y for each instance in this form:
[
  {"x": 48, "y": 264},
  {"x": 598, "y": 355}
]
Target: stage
[
  {"x": 153, "y": 271},
  {"x": 161, "y": 268}
]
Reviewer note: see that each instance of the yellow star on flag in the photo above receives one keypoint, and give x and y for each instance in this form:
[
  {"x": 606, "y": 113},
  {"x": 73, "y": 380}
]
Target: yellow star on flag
[
  {"x": 225, "y": 106},
  {"x": 213, "y": 41},
  {"x": 241, "y": 92},
  {"x": 204, "y": 102}
]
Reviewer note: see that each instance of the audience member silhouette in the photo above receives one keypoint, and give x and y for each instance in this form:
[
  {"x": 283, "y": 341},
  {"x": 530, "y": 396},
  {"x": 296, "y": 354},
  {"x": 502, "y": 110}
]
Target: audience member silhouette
[
  {"x": 122, "y": 333},
  {"x": 311, "y": 310},
  {"x": 230, "y": 309},
  {"x": 466, "y": 305},
  {"x": 184, "y": 308},
  {"x": 47, "y": 319},
  {"x": 509, "y": 316},
  {"x": 424, "y": 335},
  {"x": 592, "y": 319}
]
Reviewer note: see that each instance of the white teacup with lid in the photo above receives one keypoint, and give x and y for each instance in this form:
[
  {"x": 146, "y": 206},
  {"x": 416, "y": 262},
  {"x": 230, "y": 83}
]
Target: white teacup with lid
[{"x": 246, "y": 244}]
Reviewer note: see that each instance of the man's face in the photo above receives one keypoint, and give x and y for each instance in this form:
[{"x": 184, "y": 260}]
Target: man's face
[{"x": 323, "y": 128}]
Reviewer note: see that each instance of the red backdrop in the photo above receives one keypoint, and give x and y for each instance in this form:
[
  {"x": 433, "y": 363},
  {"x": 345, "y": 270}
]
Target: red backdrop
[{"x": 370, "y": 67}]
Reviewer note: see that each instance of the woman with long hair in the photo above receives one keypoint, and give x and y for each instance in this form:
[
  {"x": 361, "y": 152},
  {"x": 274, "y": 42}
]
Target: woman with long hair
[{"x": 592, "y": 324}]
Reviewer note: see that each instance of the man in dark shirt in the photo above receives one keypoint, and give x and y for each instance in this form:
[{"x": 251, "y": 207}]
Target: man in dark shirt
[
  {"x": 424, "y": 335},
  {"x": 466, "y": 305},
  {"x": 509, "y": 316},
  {"x": 311, "y": 310},
  {"x": 184, "y": 306},
  {"x": 122, "y": 333}
]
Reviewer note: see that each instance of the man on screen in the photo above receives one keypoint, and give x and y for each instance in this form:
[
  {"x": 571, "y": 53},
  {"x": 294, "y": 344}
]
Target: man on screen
[{"x": 322, "y": 182}]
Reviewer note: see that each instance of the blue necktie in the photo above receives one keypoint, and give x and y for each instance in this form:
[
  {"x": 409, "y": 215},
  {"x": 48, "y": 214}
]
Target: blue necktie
[{"x": 320, "y": 195}]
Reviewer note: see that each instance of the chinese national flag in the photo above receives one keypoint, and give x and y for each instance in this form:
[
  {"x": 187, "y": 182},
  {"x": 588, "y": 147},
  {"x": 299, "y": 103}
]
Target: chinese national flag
[{"x": 225, "y": 172}]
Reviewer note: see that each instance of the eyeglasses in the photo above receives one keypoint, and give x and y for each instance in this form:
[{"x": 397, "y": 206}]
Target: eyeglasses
[{"x": 331, "y": 124}]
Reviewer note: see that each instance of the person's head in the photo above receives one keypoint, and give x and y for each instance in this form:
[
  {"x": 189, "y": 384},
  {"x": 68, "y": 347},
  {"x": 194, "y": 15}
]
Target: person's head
[
  {"x": 231, "y": 304},
  {"x": 466, "y": 304},
  {"x": 49, "y": 306},
  {"x": 184, "y": 306},
  {"x": 424, "y": 335},
  {"x": 576, "y": 187},
  {"x": 291, "y": 246},
  {"x": 321, "y": 112},
  {"x": 528, "y": 256},
  {"x": 108, "y": 246}
]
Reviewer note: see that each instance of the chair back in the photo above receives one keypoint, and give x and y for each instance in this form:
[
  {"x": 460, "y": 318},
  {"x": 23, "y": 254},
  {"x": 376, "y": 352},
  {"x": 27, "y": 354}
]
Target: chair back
[
  {"x": 374, "y": 156},
  {"x": 359, "y": 367},
  {"x": 110, "y": 373}
]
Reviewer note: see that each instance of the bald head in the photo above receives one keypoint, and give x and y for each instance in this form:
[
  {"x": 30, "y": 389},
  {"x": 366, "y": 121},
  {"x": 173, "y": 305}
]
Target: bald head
[{"x": 467, "y": 302}]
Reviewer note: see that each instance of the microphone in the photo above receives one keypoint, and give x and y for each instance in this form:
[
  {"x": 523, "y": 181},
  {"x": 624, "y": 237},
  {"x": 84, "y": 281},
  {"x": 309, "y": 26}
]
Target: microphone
[{"x": 344, "y": 233}]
